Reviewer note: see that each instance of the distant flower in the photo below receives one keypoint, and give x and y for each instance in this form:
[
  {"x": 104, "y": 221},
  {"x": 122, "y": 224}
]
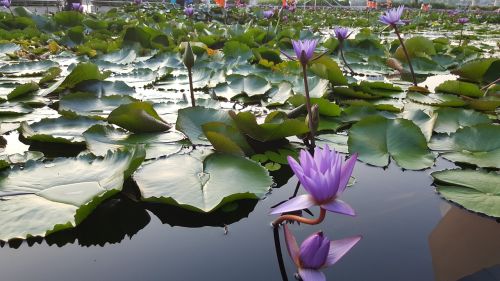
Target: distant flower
[
  {"x": 189, "y": 11},
  {"x": 342, "y": 33},
  {"x": 77, "y": 7},
  {"x": 463, "y": 20},
  {"x": 138, "y": 2},
  {"x": 393, "y": 16},
  {"x": 453, "y": 12},
  {"x": 316, "y": 252},
  {"x": 268, "y": 14},
  {"x": 5, "y": 3},
  {"x": 406, "y": 22},
  {"x": 324, "y": 177}
]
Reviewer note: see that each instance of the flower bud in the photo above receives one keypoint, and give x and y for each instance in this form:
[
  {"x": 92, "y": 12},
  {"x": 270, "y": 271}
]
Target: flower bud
[
  {"x": 315, "y": 119},
  {"x": 188, "y": 57}
]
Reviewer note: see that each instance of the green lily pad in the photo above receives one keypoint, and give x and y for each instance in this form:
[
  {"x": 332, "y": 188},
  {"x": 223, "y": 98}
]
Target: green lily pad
[
  {"x": 190, "y": 121},
  {"x": 251, "y": 85},
  {"x": 449, "y": 120},
  {"x": 270, "y": 130},
  {"x": 27, "y": 68},
  {"x": 138, "y": 117},
  {"x": 478, "y": 145},
  {"x": 477, "y": 191},
  {"x": 476, "y": 70},
  {"x": 101, "y": 138},
  {"x": 376, "y": 139},
  {"x": 327, "y": 68},
  {"x": 417, "y": 46},
  {"x": 58, "y": 130},
  {"x": 460, "y": 88},
  {"x": 23, "y": 90},
  {"x": 436, "y": 99},
  {"x": 34, "y": 204},
  {"x": 202, "y": 181},
  {"x": 226, "y": 139},
  {"x": 88, "y": 104}
]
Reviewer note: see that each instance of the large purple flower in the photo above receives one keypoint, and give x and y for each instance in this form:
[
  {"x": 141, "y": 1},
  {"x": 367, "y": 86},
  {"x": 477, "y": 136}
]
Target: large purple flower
[
  {"x": 189, "y": 11},
  {"x": 463, "y": 20},
  {"x": 393, "y": 16},
  {"x": 316, "y": 252},
  {"x": 5, "y": 3},
  {"x": 324, "y": 178},
  {"x": 342, "y": 33},
  {"x": 268, "y": 14},
  {"x": 77, "y": 7}
]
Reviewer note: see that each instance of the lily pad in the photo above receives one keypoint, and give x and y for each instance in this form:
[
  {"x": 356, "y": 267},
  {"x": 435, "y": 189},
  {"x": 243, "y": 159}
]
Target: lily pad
[
  {"x": 460, "y": 88},
  {"x": 270, "y": 130},
  {"x": 58, "y": 130},
  {"x": 33, "y": 204},
  {"x": 190, "y": 121},
  {"x": 138, "y": 117},
  {"x": 449, "y": 120},
  {"x": 202, "y": 182},
  {"x": 477, "y": 191},
  {"x": 251, "y": 85},
  {"x": 23, "y": 90},
  {"x": 101, "y": 138},
  {"x": 376, "y": 139}
]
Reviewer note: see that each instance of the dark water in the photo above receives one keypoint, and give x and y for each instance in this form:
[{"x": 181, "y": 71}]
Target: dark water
[{"x": 409, "y": 234}]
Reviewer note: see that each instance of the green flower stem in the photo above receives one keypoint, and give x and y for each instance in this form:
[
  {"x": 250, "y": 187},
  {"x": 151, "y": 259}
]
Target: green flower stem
[
  {"x": 308, "y": 106},
  {"x": 190, "y": 76},
  {"x": 406, "y": 54},
  {"x": 341, "y": 48}
]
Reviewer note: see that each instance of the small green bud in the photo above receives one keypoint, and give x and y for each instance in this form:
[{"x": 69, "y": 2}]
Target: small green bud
[
  {"x": 315, "y": 119},
  {"x": 188, "y": 57}
]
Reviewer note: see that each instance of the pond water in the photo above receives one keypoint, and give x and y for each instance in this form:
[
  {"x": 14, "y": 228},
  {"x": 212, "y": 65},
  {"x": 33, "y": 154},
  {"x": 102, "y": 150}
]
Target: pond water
[{"x": 409, "y": 233}]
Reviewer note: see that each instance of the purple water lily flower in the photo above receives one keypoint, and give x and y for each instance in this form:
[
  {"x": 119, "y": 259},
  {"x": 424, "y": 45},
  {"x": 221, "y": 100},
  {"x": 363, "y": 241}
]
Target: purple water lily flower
[
  {"x": 453, "y": 12},
  {"x": 189, "y": 11},
  {"x": 268, "y": 14},
  {"x": 316, "y": 252},
  {"x": 138, "y": 2},
  {"x": 463, "y": 20},
  {"x": 77, "y": 7},
  {"x": 324, "y": 177},
  {"x": 393, "y": 16},
  {"x": 342, "y": 33},
  {"x": 5, "y": 3},
  {"x": 304, "y": 50}
]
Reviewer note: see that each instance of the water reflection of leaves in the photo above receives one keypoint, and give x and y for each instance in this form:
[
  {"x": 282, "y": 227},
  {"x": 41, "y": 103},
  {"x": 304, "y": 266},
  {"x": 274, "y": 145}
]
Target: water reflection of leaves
[{"x": 228, "y": 214}]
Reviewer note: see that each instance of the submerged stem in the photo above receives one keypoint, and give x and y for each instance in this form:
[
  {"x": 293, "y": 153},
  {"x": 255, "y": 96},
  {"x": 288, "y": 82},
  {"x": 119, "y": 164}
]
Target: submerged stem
[
  {"x": 308, "y": 106},
  {"x": 461, "y": 36},
  {"x": 190, "y": 76},
  {"x": 279, "y": 254},
  {"x": 300, "y": 219},
  {"x": 406, "y": 54}
]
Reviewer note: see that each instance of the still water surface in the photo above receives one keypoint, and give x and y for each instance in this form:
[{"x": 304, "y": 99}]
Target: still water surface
[{"x": 409, "y": 233}]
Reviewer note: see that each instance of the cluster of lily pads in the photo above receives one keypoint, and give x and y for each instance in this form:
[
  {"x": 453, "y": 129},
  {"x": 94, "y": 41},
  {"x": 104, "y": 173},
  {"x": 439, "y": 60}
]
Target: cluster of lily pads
[{"x": 103, "y": 99}]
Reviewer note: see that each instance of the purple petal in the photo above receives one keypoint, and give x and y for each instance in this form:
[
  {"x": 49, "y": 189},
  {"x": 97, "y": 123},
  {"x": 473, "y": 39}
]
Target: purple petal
[
  {"x": 314, "y": 251},
  {"x": 347, "y": 172},
  {"x": 339, "y": 248},
  {"x": 311, "y": 275},
  {"x": 291, "y": 245},
  {"x": 298, "y": 203},
  {"x": 339, "y": 206}
]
